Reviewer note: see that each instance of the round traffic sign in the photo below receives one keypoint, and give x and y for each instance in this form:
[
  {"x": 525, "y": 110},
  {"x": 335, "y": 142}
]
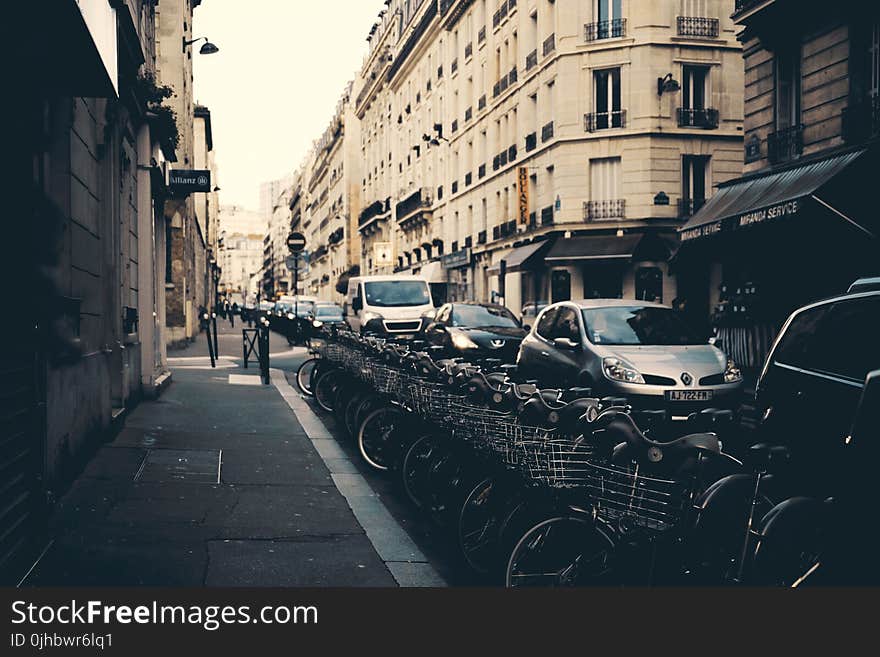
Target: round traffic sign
[{"x": 296, "y": 242}]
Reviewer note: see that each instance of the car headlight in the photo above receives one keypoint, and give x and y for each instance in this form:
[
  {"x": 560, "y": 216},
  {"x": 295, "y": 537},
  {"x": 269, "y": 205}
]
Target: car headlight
[
  {"x": 732, "y": 373},
  {"x": 370, "y": 316},
  {"x": 618, "y": 370},
  {"x": 317, "y": 323},
  {"x": 461, "y": 341},
  {"x": 289, "y": 315}
]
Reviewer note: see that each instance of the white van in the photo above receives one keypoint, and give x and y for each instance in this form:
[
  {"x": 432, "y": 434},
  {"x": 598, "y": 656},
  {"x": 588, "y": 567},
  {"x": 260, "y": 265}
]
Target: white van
[{"x": 388, "y": 304}]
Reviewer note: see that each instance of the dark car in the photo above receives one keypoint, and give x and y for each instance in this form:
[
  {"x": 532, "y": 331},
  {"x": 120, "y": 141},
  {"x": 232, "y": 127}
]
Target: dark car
[
  {"x": 476, "y": 330},
  {"x": 813, "y": 378},
  {"x": 634, "y": 349},
  {"x": 327, "y": 313}
]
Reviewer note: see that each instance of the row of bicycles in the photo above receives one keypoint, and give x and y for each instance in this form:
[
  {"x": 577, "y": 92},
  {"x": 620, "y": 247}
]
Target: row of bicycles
[{"x": 557, "y": 487}]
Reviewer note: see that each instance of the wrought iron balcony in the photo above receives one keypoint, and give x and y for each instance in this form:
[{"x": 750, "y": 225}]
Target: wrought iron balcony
[
  {"x": 547, "y": 132},
  {"x": 549, "y": 44},
  {"x": 688, "y": 207},
  {"x": 532, "y": 60},
  {"x": 698, "y": 118},
  {"x": 604, "y": 120},
  {"x": 694, "y": 26},
  {"x": 415, "y": 201},
  {"x": 604, "y": 210},
  {"x": 786, "y": 144},
  {"x": 605, "y": 30},
  {"x": 531, "y": 141},
  {"x": 861, "y": 121}
]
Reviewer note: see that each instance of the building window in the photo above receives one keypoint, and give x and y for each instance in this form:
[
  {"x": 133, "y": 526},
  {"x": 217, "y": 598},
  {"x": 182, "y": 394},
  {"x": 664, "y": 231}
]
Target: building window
[
  {"x": 606, "y": 201},
  {"x": 649, "y": 284},
  {"x": 694, "y": 174},
  {"x": 787, "y": 142},
  {"x": 609, "y": 23},
  {"x": 695, "y": 92},
  {"x": 607, "y": 95},
  {"x": 861, "y": 119}
]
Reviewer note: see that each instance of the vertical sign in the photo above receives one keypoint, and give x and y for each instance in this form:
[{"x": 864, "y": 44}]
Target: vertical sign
[{"x": 523, "y": 185}]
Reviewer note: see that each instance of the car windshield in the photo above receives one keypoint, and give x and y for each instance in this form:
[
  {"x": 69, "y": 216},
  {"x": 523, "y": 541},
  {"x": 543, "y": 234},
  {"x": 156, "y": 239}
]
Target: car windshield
[
  {"x": 637, "y": 325},
  {"x": 482, "y": 316},
  {"x": 303, "y": 308},
  {"x": 328, "y": 312},
  {"x": 397, "y": 293}
]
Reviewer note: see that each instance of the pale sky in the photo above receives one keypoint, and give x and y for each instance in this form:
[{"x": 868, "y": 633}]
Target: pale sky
[{"x": 273, "y": 87}]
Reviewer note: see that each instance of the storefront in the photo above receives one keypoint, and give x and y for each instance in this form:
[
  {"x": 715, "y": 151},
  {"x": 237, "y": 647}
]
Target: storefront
[
  {"x": 628, "y": 266},
  {"x": 771, "y": 242},
  {"x": 517, "y": 276},
  {"x": 459, "y": 275}
]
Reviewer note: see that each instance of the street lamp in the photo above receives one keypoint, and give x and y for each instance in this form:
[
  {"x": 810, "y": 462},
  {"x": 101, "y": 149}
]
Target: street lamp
[
  {"x": 667, "y": 84},
  {"x": 207, "y": 48}
]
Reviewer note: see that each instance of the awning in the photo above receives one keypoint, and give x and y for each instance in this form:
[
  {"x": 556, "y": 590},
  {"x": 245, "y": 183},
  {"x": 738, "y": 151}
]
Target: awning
[
  {"x": 521, "y": 257},
  {"x": 767, "y": 197},
  {"x": 598, "y": 247}
]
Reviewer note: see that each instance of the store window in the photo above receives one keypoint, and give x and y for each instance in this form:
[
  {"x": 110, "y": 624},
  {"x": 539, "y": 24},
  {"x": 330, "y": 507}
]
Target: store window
[
  {"x": 560, "y": 284},
  {"x": 603, "y": 281},
  {"x": 649, "y": 284}
]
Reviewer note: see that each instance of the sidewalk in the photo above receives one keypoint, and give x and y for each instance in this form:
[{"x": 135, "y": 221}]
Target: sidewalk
[{"x": 217, "y": 484}]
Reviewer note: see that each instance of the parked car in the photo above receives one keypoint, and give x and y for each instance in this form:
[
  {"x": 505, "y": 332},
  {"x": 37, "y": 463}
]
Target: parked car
[
  {"x": 328, "y": 313},
  {"x": 388, "y": 305},
  {"x": 476, "y": 330},
  {"x": 813, "y": 378},
  {"x": 638, "y": 350}
]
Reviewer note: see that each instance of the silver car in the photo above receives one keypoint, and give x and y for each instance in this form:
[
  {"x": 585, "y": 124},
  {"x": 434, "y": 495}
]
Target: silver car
[{"x": 634, "y": 349}]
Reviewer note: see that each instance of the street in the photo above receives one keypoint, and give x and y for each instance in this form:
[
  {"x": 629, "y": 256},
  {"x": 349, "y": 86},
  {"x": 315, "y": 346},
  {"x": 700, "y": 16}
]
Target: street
[{"x": 219, "y": 484}]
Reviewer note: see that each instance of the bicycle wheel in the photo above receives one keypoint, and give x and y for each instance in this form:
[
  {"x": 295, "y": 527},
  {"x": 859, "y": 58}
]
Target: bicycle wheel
[
  {"x": 561, "y": 551},
  {"x": 479, "y": 523},
  {"x": 325, "y": 389},
  {"x": 376, "y": 437},
  {"x": 446, "y": 474},
  {"x": 414, "y": 470},
  {"x": 349, "y": 415},
  {"x": 304, "y": 376}
]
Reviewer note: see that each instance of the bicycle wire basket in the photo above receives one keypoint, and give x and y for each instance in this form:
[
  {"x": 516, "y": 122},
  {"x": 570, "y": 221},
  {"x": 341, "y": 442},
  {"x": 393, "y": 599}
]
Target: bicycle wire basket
[{"x": 631, "y": 496}]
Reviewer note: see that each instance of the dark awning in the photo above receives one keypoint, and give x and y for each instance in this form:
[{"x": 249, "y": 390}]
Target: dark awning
[
  {"x": 766, "y": 197},
  {"x": 598, "y": 247},
  {"x": 521, "y": 257}
]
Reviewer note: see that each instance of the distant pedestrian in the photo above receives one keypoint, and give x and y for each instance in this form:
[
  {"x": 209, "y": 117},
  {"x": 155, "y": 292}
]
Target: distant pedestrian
[
  {"x": 231, "y": 317},
  {"x": 203, "y": 318}
]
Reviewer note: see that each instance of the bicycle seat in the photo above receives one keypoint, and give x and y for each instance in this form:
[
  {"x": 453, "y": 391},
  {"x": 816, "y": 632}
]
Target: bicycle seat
[
  {"x": 763, "y": 457},
  {"x": 633, "y": 445},
  {"x": 541, "y": 409},
  {"x": 574, "y": 415},
  {"x": 576, "y": 393}
]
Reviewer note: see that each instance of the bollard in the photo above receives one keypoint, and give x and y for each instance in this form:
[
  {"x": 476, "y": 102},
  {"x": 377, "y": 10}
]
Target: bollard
[
  {"x": 214, "y": 322},
  {"x": 210, "y": 345},
  {"x": 264, "y": 353}
]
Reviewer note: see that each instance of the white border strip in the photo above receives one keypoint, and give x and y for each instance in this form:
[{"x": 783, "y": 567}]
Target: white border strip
[{"x": 402, "y": 557}]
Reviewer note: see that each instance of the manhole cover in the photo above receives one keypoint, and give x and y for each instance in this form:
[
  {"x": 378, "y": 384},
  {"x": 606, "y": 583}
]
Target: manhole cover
[{"x": 200, "y": 466}]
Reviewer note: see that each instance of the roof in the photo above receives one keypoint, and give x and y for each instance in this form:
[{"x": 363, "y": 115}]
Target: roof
[
  {"x": 767, "y": 196},
  {"x": 608, "y": 303}
]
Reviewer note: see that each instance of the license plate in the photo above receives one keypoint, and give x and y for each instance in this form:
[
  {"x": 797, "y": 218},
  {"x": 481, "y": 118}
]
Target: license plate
[{"x": 688, "y": 395}]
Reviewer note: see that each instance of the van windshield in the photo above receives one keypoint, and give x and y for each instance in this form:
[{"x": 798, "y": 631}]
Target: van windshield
[{"x": 397, "y": 293}]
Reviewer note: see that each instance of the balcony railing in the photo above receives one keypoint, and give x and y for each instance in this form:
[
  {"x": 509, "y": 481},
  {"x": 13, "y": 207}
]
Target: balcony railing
[
  {"x": 373, "y": 210},
  {"x": 861, "y": 121},
  {"x": 605, "y": 30},
  {"x": 413, "y": 202},
  {"x": 531, "y": 141},
  {"x": 604, "y": 120},
  {"x": 547, "y": 132},
  {"x": 698, "y": 118},
  {"x": 547, "y": 216},
  {"x": 604, "y": 210},
  {"x": 549, "y": 44},
  {"x": 694, "y": 26},
  {"x": 786, "y": 144},
  {"x": 532, "y": 60},
  {"x": 688, "y": 207}
]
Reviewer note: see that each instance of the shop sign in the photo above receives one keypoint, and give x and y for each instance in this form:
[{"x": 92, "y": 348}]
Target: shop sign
[
  {"x": 523, "y": 187},
  {"x": 456, "y": 259},
  {"x": 187, "y": 181},
  {"x": 701, "y": 231},
  {"x": 774, "y": 212}
]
